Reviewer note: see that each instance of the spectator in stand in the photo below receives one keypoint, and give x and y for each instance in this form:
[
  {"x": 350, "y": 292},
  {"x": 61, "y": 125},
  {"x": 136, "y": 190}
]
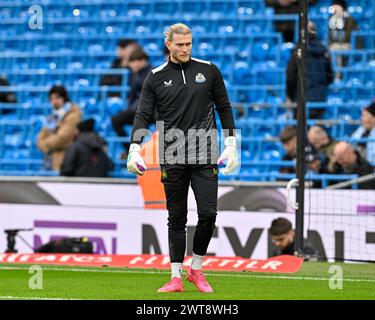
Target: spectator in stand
[
  {"x": 286, "y": 7},
  {"x": 86, "y": 157},
  {"x": 349, "y": 161},
  {"x": 58, "y": 129},
  {"x": 288, "y": 138},
  {"x": 319, "y": 73},
  {"x": 324, "y": 144},
  {"x": 125, "y": 48},
  {"x": 6, "y": 97},
  {"x": 341, "y": 25},
  {"x": 367, "y": 130},
  {"x": 140, "y": 67}
]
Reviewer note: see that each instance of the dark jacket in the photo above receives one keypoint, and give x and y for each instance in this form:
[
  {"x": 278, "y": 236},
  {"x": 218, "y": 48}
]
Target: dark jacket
[
  {"x": 86, "y": 157},
  {"x": 286, "y": 27},
  {"x": 361, "y": 168},
  {"x": 289, "y": 170},
  {"x": 6, "y": 97},
  {"x": 319, "y": 72},
  {"x": 292, "y": 8},
  {"x": 184, "y": 96},
  {"x": 311, "y": 154},
  {"x": 327, "y": 151},
  {"x": 344, "y": 35},
  {"x": 308, "y": 250},
  {"x": 136, "y": 83},
  {"x": 112, "y": 79}
]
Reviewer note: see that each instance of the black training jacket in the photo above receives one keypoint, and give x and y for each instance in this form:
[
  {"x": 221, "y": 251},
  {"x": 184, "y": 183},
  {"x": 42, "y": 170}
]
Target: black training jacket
[{"x": 184, "y": 96}]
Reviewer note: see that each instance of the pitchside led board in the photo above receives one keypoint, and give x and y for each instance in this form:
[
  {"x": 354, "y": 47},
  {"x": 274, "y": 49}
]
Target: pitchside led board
[{"x": 340, "y": 223}]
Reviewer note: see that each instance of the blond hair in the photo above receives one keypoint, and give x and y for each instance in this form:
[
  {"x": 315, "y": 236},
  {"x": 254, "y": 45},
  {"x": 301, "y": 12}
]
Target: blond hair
[{"x": 178, "y": 28}]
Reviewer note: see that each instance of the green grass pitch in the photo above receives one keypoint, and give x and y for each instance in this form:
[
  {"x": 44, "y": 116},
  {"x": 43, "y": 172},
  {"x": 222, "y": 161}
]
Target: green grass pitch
[{"x": 311, "y": 282}]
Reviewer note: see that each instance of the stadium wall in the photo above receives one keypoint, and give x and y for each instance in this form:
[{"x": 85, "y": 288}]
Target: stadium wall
[{"x": 113, "y": 217}]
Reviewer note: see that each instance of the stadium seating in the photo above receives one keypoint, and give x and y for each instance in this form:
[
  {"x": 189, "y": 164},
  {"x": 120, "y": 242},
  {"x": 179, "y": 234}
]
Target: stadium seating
[{"x": 78, "y": 41}]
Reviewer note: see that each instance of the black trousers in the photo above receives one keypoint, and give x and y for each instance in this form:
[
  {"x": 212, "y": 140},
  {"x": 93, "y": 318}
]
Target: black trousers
[
  {"x": 119, "y": 120},
  {"x": 204, "y": 182}
]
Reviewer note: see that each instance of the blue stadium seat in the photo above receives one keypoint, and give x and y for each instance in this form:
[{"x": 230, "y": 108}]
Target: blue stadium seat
[
  {"x": 241, "y": 72},
  {"x": 78, "y": 43}
]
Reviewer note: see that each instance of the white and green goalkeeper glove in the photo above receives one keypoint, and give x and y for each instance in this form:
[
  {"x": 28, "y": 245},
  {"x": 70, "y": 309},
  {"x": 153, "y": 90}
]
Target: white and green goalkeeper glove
[
  {"x": 229, "y": 155},
  {"x": 135, "y": 163}
]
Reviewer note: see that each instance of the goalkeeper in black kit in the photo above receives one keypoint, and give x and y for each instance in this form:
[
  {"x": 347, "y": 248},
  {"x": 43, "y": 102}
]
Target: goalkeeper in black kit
[{"x": 184, "y": 91}]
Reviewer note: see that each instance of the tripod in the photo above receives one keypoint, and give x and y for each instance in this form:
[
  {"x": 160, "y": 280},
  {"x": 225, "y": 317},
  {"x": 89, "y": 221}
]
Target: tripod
[{"x": 11, "y": 239}]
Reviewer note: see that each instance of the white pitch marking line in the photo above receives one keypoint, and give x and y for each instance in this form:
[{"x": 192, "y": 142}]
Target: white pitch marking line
[
  {"x": 34, "y": 298},
  {"x": 206, "y": 273}
]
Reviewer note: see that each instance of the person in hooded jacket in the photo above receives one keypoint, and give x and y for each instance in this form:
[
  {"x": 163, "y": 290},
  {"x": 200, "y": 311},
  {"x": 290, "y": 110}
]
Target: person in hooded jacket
[
  {"x": 86, "y": 157},
  {"x": 319, "y": 73}
]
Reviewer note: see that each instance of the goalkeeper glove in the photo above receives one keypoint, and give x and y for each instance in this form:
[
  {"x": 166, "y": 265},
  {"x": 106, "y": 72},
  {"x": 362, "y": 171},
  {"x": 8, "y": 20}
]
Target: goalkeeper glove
[
  {"x": 135, "y": 163},
  {"x": 230, "y": 155}
]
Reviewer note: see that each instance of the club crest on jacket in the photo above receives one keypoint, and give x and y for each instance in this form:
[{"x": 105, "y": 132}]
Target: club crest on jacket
[{"x": 199, "y": 78}]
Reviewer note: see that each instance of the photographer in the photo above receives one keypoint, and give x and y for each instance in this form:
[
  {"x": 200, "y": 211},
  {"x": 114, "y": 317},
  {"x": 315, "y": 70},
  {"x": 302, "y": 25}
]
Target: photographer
[
  {"x": 283, "y": 237},
  {"x": 319, "y": 138},
  {"x": 288, "y": 138}
]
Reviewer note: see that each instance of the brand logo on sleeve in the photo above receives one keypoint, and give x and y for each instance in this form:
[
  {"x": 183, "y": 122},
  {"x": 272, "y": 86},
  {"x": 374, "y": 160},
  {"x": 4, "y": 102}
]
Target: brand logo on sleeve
[
  {"x": 164, "y": 174},
  {"x": 168, "y": 83},
  {"x": 215, "y": 171},
  {"x": 199, "y": 78}
]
